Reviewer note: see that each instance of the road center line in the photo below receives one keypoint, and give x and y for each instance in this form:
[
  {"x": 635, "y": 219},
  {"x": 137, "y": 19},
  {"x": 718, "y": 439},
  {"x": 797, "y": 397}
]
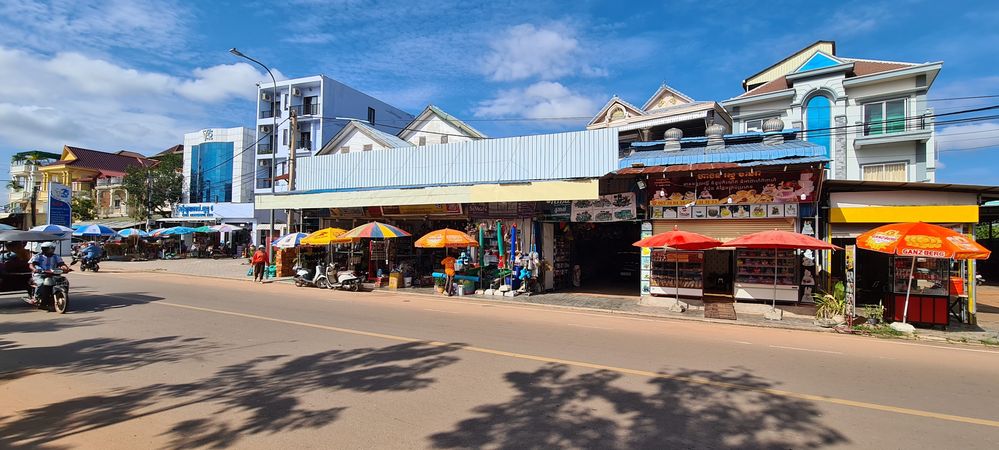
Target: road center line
[
  {"x": 621, "y": 370},
  {"x": 743, "y": 342},
  {"x": 588, "y": 326},
  {"x": 806, "y": 349},
  {"x": 439, "y": 310}
]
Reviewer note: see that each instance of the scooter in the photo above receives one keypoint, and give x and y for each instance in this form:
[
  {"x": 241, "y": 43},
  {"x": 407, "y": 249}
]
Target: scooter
[
  {"x": 90, "y": 264},
  {"x": 316, "y": 277},
  {"x": 979, "y": 279},
  {"x": 344, "y": 279},
  {"x": 58, "y": 295}
]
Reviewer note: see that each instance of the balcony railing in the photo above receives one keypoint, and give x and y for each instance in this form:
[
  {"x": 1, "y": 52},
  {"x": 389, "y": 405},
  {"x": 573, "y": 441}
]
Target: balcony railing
[
  {"x": 264, "y": 148},
  {"x": 270, "y": 113},
  {"x": 306, "y": 110},
  {"x": 110, "y": 181},
  {"x": 304, "y": 145},
  {"x": 897, "y": 125}
]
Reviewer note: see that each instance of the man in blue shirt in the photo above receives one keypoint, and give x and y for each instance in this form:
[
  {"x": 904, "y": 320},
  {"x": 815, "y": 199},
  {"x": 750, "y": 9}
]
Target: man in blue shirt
[
  {"x": 92, "y": 251},
  {"x": 44, "y": 262}
]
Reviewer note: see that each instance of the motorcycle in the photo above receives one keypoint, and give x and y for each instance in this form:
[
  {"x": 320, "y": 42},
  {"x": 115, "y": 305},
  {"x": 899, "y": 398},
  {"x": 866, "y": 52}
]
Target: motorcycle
[
  {"x": 58, "y": 295},
  {"x": 979, "y": 279},
  {"x": 89, "y": 264},
  {"x": 343, "y": 279},
  {"x": 316, "y": 277}
]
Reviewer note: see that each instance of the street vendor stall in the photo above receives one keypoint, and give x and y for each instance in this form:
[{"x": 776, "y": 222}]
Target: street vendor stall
[
  {"x": 379, "y": 234},
  {"x": 447, "y": 238},
  {"x": 671, "y": 251},
  {"x": 922, "y": 253}
]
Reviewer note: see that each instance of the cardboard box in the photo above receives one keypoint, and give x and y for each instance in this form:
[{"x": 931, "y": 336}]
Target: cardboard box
[{"x": 395, "y": 281}]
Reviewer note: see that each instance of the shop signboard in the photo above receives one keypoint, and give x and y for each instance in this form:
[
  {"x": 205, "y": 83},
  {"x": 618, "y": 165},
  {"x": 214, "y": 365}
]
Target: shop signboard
[
  {"x": 501, "y": 210},
  {"x": 440, "y": 209},
  {"x": 556, "y": 211},
  {"x": 646, "y": 261},
  {"x": 743, "y": 194},
  {"x": 348, "y": 213},
  {"x": 607, "y": 208},
  {"x": 59, "y": 210}
]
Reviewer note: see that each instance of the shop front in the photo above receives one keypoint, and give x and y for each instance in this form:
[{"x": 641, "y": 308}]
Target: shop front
[
  {"x": 724, "y": 204},
  {"x": 942, "y": 289},
  {"x": 241, "y": 215}
]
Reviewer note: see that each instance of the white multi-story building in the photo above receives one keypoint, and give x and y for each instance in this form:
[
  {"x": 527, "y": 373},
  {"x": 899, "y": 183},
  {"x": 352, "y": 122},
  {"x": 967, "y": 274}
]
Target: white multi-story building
[
  {"x": 871, "y": 116},
  {"x": 323, "y": 107}
]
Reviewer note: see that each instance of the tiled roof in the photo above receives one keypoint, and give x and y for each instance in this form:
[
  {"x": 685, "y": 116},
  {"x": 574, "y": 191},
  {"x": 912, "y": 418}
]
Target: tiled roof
[
  {"x": 861, "y": 67},
  {"x": 175, "y": 149},
  {"x": 103, "y": 161}
]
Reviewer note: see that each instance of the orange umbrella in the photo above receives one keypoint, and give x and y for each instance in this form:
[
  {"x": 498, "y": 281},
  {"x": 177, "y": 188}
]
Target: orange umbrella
[
  {"x": 446, "y": 238},
  {"x": 920, "y": 239}
]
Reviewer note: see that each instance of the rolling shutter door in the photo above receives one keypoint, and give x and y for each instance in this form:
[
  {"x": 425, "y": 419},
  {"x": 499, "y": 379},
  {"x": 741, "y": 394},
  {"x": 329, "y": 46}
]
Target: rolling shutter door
[{"x": 725, "y": 230}]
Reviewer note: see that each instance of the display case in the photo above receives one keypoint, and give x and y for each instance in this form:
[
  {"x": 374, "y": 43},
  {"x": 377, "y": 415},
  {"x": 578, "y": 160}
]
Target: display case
[
  {"x": 677, "y": 273},
  {"x": 931, "y": 276},
  {"x": 755, "y": 271}
]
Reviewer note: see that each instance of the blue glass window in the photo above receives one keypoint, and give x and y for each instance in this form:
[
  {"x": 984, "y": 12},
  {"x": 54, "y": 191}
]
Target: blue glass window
[
  {"x": 211, "y": 172},
  {"x": 818, "y": 113}
]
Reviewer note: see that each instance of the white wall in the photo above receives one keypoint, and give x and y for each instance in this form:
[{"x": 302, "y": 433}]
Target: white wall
[
  {"x": 434, "y": 129},
  {"x": 356, "y": 141}
]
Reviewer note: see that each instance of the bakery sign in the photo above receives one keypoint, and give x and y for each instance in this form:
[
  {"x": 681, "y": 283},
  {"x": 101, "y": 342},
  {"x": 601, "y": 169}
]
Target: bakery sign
[{"x": 745, "y": 194}]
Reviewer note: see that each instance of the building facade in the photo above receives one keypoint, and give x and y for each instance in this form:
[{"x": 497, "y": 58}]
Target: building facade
[
  {"x": 435, "y": 126},
  {"x": 25, "y": 180},
  {"x": 322, "y": 106},
  {"x": 872, "y": 116}
]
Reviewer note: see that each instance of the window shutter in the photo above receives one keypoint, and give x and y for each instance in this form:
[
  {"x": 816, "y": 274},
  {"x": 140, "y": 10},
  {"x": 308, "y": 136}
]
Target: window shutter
[
  {"x": 367, "y": 147},
  {"x": 284, "y": 137},
  {"x": 444, "y": 139},
  {"x": 345, "y": 149},
  {"x": 423, "y": 140}
]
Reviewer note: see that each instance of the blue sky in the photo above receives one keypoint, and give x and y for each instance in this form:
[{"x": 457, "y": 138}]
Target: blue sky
[{"x": 135, "y": 75}]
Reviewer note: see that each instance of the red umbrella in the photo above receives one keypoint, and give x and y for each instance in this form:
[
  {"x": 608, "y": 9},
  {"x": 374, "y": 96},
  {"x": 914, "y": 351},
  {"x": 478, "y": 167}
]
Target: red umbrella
[
  {"x": 776, "y": 239},
  {"x": 680, "y": 240}
]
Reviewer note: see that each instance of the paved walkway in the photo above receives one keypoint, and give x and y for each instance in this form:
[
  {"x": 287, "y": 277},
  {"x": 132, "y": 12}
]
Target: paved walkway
[{"x": 795, "y": 317}]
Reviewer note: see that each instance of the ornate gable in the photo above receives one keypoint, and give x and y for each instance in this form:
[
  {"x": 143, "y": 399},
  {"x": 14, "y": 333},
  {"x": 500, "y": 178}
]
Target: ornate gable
[
  {"x": 616, "y": 110},
  {"x": 665, "y": 97}
]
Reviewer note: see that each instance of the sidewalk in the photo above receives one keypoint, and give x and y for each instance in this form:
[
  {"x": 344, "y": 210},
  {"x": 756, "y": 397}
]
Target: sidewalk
[{"x": 750, "y": 314}]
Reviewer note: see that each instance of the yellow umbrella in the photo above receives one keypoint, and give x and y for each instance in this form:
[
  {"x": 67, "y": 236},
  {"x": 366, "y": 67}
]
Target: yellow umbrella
[
  {"x": 326, "y": 236},
  {"x": 446, "y": 238}
]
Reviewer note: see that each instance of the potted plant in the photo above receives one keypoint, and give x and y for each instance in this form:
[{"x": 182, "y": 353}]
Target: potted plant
[
  {"x": 439, "y": 285},
  {"x": 874, "y": 313},
  {"x": 830, "y": 309}
]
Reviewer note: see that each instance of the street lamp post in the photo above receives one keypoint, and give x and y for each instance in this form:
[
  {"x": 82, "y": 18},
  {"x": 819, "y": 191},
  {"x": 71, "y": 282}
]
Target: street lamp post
[{"x": 273, "y": 144}]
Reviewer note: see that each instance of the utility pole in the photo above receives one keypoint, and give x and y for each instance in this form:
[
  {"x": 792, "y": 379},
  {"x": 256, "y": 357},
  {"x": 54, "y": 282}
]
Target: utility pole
[
  {"x": 34, "y": 203},
  {"x": 291, "y": 164},
  {"x": 149, "y": 199}
]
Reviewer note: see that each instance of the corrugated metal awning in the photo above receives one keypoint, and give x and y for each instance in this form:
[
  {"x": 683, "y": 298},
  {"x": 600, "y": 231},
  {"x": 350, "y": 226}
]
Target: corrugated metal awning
[{"x": 479, "y": 193}]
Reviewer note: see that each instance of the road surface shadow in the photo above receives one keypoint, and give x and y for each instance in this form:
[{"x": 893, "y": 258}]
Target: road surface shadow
[
  {"x": 91, "y": 302},
  {"x": 262, "y": 395},
  {"x": 725, "y": 409}
]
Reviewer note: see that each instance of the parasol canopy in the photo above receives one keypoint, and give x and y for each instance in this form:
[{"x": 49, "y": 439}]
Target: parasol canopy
[
  {"x": 157, "y": 232},
  {"x": 326, "y": 236},
  {"x": 205, "y": 229},
  {"x": 226, "y": 228},
  {"x": 94, "y": 230},
  {"x": 776, "y": 239},
  {"x": 289, "y": 240},
  {"x": 921, "y": 239},
  {"x": 376, "y": 230},
  {"x": 176, "y": 231},
  {"x": 680, "y": 240},
  {"x": 129, "y": 232},
  {"x": 54, "y": 229},
  {"x": 29, "y": 236},
  {"x": 446, "y": 238}
]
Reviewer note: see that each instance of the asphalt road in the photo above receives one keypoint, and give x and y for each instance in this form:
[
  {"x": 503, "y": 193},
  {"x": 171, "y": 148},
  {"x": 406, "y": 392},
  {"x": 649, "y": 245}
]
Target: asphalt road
[{"x": 167, "y": 361}]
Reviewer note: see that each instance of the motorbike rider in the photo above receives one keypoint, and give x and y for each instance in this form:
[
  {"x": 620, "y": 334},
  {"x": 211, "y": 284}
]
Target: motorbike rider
[
  {"x": 46, "y": 261},
  {"x": 92, "y": 252}
]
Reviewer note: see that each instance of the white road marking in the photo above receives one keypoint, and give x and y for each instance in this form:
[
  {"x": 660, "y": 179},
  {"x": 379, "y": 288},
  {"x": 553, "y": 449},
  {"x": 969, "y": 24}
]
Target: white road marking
[
  {"x": 806, "y": 349},
  {"x": 588, "y": 326},
  {"x": 743, "y": 342}
]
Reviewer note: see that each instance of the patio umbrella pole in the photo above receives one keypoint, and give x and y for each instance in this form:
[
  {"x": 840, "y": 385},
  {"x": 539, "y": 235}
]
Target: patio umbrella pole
[
  {"x": 908, "y": 290},
  {"x": 676, "y": 281},
  {"x": 776, "y": 263}
]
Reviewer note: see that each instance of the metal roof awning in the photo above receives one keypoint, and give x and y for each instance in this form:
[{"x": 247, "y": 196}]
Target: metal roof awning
[
  {"x": 987, "y": 192},
  {"x": 587, "y": 189}
]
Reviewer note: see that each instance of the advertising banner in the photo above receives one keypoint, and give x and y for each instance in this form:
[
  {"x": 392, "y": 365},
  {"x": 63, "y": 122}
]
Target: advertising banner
[
  {"x": 59, "y": 211},
  {"x": 440, "y": 209},
  {"x": 744, "y": 187},
  {"x": 608, "y": 208}
]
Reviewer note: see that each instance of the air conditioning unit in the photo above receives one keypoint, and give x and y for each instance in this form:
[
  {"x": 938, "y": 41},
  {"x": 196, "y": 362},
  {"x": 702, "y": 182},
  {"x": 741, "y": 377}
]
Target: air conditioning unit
[
  {"x": 265, "y": 129},
  {"x": 265, "y": 97},
  {"x": 296, "y": 92}
]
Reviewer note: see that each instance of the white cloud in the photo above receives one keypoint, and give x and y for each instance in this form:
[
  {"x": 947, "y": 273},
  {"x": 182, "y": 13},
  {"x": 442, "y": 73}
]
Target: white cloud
[
  {"x": 544, "y": 99},
  {"x": 968, "y": 137},
  {"x": 69, "y": 98},
  {"x": 527, "y": 51},
  {"x": 93, "y": 26}
]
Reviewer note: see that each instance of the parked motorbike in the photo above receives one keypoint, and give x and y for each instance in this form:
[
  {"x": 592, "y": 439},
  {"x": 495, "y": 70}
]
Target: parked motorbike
[
  {"x": 315, "y": 277},
  {"x": 58, "y": 295},
  {"x": 90, "y": 264},
  {"x": 343, "y": 279},
  {"x": 979, "y": 279}
]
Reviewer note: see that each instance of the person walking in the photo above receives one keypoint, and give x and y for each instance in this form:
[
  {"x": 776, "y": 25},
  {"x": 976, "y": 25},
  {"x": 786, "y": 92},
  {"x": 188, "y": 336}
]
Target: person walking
[{"x": 260, "y": 262}]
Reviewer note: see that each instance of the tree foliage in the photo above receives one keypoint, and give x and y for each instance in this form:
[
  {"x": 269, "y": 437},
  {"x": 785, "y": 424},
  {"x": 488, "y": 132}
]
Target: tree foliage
[
  {"x": 84, "y": 208},
  {"x": 167, "y": 184}
]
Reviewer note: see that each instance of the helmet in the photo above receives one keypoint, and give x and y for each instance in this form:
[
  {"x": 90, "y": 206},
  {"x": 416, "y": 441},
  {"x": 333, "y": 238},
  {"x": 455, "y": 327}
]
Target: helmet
[
  {"x": 261, "y": 247},
  {"x": 46, "y": 245}
]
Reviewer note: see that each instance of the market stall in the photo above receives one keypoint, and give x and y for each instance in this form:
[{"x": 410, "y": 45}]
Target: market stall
[{"x": 677, "y": 262}]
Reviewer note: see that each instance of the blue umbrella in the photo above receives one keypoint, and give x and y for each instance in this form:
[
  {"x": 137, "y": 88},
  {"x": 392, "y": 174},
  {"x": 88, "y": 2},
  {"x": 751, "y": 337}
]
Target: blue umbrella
[
  {"x": 57, "y": 230},
  {"x": 129, "y": 232},
  {"x": 94, "y": 230},
  {"x": 177, "y": 231},
  {"x": 289, "y": 240},
  {"x": 4, "y": 226}
]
